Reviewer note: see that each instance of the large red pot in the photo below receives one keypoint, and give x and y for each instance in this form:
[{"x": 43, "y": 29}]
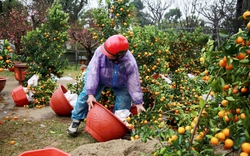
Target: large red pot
[
  {"x": 103, "y": 125},
  {"x": 11, "y": 69},
  {"x": 2, "y": 83},
  {"x": 50, "y": 151},
  {"x": 20, "y": 70},
  {"x": 19, "y": 96},
  {"x": 58, "y": 102}
]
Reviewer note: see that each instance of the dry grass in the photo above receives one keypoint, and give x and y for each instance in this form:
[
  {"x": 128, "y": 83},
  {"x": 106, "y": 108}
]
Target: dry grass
[
  {"x": 8, "y": 74},
  {"x": 31, "y": 135}
]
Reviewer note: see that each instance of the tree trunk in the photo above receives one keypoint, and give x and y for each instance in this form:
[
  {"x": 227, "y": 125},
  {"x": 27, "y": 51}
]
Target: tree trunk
[
  {"x": 239, "y": 12},
  {"x": 1, "y": 7}
]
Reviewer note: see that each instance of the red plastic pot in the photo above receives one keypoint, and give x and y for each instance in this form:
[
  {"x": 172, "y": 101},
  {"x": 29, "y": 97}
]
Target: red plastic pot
[
  {"x": 19, "y": 96},
  {"x": 20, "y": 70},
  {"x": 103, "y": 125},
  {"x": 47, "y": 151},
  {"x": 58, "y": 102},
  {"x": 133, "y": 110},
  {"x": 11, "y": 69},
  {"x": 2, "y": 83}
]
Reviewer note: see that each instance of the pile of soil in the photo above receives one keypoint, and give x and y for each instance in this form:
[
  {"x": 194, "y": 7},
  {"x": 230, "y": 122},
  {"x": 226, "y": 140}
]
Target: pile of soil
[{"x": 117, "y": 147}]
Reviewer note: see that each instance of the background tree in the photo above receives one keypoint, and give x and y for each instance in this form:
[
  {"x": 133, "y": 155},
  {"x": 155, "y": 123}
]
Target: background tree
[
  {"x": 173, "y": 15},
  {"x": 6, "y": 6},
  {"x": 37, "y": 11},
  {"x": 45, "y": 45},
  {"x": 74, "y": 8},
  {"x": 13, "y": 22},
  {"x": 156, "y": 10},
  {"x": 216, "y": 14},
  {"x": 190, "y": 17},
  {"x": 85, "y": 36},
  {"x": 141, "y": 17},
  {"x": 118, "y": 18},
  {"x": 241, "y": 7}
]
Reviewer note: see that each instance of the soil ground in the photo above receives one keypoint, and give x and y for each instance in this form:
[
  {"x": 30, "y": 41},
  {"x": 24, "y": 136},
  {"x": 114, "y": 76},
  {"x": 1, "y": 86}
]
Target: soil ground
[{"x": 109, "y": 148}]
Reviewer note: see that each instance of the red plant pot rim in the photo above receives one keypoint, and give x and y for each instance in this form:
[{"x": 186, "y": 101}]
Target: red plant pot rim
[
  {"x": 56, "y": 107},
  {"x": 3, "y": 78},
  {"x": 3, "y": 83},
  {"x": 99, "y": 136}
]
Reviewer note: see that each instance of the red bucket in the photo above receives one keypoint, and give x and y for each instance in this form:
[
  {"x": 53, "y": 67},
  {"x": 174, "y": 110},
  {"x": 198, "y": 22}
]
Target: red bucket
[
  {"x": 19, "y": 96},
  {"x": 103, "y": 125},
  {"x": 58, "y": 102},
  {"x": 43, "y": 152}
]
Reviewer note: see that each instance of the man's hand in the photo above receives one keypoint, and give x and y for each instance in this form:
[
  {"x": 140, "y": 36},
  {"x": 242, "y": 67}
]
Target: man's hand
[
  {"x": 90, "y": 101},
  {"x": 140, "y": 108}
]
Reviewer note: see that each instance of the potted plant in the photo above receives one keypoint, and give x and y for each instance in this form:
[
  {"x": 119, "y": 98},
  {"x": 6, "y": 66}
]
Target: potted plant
[
  {"x": 19, "y": 67},
  {"x": 5, "y": 60},
  {"x": 44, "y": 47}
]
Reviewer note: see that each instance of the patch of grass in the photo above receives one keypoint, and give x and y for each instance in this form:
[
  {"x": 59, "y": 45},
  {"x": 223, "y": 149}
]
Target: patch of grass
[
  {"x": 32, "y": 135},
  {"x": 8, "y": 74},
  {"x": 73, "y": 71}
]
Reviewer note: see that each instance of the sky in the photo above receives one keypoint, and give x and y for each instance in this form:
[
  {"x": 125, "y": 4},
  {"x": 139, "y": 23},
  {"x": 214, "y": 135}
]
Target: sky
[{"x": 183, "y": 5}]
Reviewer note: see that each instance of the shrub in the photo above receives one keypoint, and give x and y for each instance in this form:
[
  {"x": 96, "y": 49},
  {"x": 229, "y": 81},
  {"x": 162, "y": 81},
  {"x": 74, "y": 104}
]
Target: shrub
[
  {"x": 45, "y": 45},
  {"x": 6, "y": 50}
]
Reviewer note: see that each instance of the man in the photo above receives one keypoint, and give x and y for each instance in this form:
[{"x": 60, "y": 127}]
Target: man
[{"x": 112, "y": 66}]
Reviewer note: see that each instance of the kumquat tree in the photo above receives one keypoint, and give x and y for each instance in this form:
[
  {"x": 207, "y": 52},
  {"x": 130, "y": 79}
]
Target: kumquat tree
[
  {"x": 196, "y": 95},
  {"x": 219, "y": 117}
]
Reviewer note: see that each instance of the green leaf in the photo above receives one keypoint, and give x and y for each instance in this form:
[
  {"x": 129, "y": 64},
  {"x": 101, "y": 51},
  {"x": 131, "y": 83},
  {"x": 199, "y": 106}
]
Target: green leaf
[
  {"x": 208, "y": 151},
  {"x": 180, "y": 139},
  {"x": 163, "y": 150},
  {"x": 230, "y": 98},
  {"x": 246, "y": 133},
  {"x": 209, "y": 136},
  {"x": 223, "y": 33},
  {"x": 211, "y": 123},
  {"x": 244, "y": 61},
  {"x": 201, "y": 103}
]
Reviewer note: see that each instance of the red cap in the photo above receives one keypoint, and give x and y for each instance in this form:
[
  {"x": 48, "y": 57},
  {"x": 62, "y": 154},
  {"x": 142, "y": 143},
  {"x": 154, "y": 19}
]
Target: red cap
[{"x": 114, "y": 45}]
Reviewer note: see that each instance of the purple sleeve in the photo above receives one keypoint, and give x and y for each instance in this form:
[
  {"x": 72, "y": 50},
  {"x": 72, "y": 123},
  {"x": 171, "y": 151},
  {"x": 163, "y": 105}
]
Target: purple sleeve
[
  {"x": 92, "y": 80},
  {"x": 134, "y": 86}
]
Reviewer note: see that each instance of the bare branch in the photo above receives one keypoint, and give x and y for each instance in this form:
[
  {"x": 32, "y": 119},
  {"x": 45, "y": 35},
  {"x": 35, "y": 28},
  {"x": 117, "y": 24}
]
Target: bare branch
[{"x": 157, "y": 9}]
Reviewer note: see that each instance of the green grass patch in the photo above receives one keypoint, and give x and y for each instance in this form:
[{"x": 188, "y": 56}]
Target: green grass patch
[{"x": 73, "y": 71}]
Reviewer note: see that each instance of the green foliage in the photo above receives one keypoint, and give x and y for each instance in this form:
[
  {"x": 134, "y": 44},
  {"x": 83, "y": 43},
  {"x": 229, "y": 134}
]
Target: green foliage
[
  {"x": 118, "y": 19},
  {"x": 150, "y": 49},
  {"x": 8, "y": 5},
  {"x": 185, "y": 48},
  {"x": 77, "y": 87},
  {"x": 5, "y": 55},
  {"x": 41, "y": 93},
  {"x": 235, "y": 52},
  {"x": 190, "y": 103},
  {"x": 45, "y": 45}
]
